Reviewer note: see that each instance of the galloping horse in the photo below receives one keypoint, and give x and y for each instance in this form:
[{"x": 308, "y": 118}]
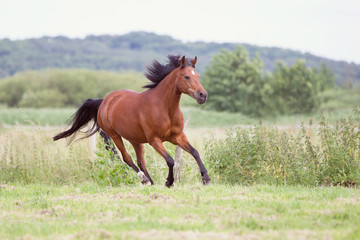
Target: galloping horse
[{"x": 152, "y": 116}]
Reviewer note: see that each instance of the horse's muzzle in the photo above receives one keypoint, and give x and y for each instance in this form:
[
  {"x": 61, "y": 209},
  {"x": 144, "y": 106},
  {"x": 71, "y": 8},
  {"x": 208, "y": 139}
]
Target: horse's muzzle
[{"x": 201, "y": 97}]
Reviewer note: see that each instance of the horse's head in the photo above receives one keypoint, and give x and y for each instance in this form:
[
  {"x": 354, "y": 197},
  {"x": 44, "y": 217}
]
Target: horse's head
[{"x": 188, "y": 80}]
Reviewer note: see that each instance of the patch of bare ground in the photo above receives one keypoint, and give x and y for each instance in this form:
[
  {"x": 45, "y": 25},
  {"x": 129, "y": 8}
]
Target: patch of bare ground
[
  {"x": 7, "y": 187},
  {"x": 76, "y": 197},
  {"x": 183, "y": 235},
  {"x": 154, "y": 197},
  {"x": 236, "y": 214},
  {"x": 254, "y": 235},
  {"x": 89, "y": 235},
  {"x": 354, "y": 201},
  {"x": 57, "y": 211}
]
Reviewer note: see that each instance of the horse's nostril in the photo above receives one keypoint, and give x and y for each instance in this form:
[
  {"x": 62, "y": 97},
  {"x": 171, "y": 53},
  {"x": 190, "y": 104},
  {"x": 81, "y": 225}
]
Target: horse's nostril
[{"x": 201, "y": 94}]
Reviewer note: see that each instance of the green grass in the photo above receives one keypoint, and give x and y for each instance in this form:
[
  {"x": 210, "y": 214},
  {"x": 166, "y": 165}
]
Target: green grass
[
  {"x": 29, "y": 155},
  {"x": 186, "y": 211},
  {"x": 197, "y": 116},
  {"x": 58, "y": 117},
  {"x": 46, "y": 192},
  {"x": 35, "y": 116}
]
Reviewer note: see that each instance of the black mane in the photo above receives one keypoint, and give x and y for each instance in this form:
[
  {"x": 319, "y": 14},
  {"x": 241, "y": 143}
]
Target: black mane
[{"x": 158, "y": 72}]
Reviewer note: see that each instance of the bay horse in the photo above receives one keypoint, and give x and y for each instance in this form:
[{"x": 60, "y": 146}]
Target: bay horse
[{"x": 152, "y": 116}]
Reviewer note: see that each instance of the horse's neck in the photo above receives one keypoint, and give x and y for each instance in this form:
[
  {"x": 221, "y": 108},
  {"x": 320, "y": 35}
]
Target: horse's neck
[{"x": 168, "y": 94}]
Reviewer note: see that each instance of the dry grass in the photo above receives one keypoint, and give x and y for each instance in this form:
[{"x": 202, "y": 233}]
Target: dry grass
[{"x": 30, "y": 156}]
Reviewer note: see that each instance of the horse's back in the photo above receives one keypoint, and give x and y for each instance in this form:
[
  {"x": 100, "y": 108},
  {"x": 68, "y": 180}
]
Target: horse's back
[{"x": 116, "y": 106}]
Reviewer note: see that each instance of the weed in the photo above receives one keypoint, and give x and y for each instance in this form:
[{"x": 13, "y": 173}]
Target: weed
[
  {"x": 109, "y": 170},
  {"x": 263, "y": 155}
]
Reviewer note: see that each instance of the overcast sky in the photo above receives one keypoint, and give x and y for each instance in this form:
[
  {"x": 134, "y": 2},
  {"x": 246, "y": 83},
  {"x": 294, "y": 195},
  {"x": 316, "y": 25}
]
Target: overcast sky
[{"x": 329, "y": 28}]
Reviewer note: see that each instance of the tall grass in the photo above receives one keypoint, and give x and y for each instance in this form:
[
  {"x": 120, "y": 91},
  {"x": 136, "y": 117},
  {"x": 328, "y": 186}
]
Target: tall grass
[
  {"x": 329, "y": 155},
  {"x": 29, "y": 155},
  {"x": 264, "y": 155}
]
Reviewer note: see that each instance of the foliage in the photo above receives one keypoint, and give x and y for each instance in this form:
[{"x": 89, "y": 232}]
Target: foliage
[
  {"x": 340, "y": 156},
  {"x": 296, "y": 88},
  {"x": 237, "y": 84},
  {"x": 108, "y": 170},
  {"x": 326, "y": 78},
  {"x": 60, "y": 88},
  {"x": 135, "y": 50},
  {"x": 234, "y": 82},
  {"x": 29, "y": 155},
  {"x": 335, "y": 99},
  {"x": 262, "y": 155}
]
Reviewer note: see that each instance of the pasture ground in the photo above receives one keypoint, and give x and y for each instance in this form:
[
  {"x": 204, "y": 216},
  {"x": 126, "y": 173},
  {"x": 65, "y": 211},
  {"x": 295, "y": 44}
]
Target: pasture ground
[
  {"x": 185, "y": 211},
  {"x": 46, "y": 192}
]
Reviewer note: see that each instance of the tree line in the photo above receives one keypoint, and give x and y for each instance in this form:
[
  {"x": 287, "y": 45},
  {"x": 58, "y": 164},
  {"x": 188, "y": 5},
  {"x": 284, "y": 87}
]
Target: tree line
[
  {"x": 136, "y": 50},
  {"x": 237, "y": 83},
  {"x": 57, "y": 88}
]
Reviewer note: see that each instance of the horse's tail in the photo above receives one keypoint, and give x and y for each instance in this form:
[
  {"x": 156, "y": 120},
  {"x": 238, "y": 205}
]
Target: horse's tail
[{"x": 87, "y": 112}]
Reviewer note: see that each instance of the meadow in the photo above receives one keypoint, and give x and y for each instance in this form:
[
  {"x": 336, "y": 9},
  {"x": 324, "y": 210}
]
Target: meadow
[
  {"x": 197, "y": 117},
  {"x": 53, "y": 191},
  {"x": 186, "y": 211}
]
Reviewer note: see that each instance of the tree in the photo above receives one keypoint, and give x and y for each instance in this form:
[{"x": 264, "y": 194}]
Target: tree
[
  {"x": 326, "y": 77},
  {"x": 296, "y": 88},
  {"x": 234, "y": 83}
]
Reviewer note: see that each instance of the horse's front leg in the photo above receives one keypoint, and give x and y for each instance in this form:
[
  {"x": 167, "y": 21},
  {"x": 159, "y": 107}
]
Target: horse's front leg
[
  {"x": 156, "y": 143},
  {"x": 182, "y": 141}
]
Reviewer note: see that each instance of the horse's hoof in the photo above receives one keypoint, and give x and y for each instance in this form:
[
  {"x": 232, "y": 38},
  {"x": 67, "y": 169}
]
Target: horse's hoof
[
  {"x": 206, "y": 180},
  {"x": 146, "y": 182},
  {"x": 144, "y": 179},
  {"x": 168, "y": 184}
]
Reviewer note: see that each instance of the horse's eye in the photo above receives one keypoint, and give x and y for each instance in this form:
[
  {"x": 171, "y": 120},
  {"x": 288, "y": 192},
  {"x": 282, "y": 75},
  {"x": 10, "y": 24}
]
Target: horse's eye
[{"x": 187, "y": 77}]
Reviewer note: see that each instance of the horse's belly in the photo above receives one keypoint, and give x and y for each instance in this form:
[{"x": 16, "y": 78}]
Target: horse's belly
[
  {"x": 119, "y": 114},
  {"x": 132, "y": 134}
]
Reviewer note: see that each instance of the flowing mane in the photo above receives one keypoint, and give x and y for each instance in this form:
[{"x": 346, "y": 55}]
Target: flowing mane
[{"x": 157, "y": 72}]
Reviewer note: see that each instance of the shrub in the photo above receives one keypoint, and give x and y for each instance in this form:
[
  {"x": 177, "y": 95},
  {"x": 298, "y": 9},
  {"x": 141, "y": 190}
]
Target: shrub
[
  {"x": 109, "y": 170},
  {"x": 63, "y": 87},
  {"x": 262, "y": 155}
]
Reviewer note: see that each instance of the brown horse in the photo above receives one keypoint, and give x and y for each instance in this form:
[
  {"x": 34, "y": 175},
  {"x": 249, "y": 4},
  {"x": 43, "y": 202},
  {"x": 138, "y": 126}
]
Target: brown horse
[{"x": 152, "y": 116}]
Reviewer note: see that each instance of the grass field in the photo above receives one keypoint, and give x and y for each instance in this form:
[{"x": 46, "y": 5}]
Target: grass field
[
  {"x": 189, "y": 211},
  {"x": 197, "y": 117},
  {"x": 58, "y": 117},
  {"x": 47, "y": 191}
]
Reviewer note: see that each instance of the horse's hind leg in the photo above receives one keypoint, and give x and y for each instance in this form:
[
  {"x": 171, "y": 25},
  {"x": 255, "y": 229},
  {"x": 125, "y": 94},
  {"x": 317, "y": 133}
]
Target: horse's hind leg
[
  {"x": 139, "y": 149},
  {"x": 127, "y": 158},
  {"x": 108, "y": 144}
]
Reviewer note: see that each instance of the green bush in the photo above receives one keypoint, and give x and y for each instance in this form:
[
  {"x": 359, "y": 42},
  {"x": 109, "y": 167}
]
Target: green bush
[
  {"x": 108, "y": 170},
  {"x": 262, "y": 155},
  {"x": 43, "y": 98},
  {"x": 63, "y": 87}
]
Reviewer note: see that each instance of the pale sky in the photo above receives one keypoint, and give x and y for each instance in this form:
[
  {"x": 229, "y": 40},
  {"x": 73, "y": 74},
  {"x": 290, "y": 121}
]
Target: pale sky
[{"x": 328, "y": 28}]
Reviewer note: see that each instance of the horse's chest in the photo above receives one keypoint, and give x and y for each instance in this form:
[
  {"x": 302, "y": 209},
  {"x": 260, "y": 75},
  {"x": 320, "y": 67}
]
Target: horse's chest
[{"x": 172, "y": 127}]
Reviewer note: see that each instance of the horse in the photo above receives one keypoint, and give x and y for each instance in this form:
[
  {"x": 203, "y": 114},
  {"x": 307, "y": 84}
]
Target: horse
[{"x": 152, "y": 116}]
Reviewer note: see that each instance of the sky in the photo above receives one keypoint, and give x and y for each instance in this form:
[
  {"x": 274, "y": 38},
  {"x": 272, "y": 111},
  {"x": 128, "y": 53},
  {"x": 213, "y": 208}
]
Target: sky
[{"x": 327, "y": 28}]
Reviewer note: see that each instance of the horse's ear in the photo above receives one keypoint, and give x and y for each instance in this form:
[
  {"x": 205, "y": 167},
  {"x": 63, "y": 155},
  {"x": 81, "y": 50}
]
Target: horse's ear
[
  {"x": 194, "y": 61},
  {"x": 182, "y": 61}
]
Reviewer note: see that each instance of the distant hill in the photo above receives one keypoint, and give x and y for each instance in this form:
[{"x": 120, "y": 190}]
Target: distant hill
[{"x": 136, "y": 50}]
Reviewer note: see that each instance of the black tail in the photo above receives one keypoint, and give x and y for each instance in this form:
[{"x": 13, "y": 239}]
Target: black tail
[{"x": 86, "y": 113}]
